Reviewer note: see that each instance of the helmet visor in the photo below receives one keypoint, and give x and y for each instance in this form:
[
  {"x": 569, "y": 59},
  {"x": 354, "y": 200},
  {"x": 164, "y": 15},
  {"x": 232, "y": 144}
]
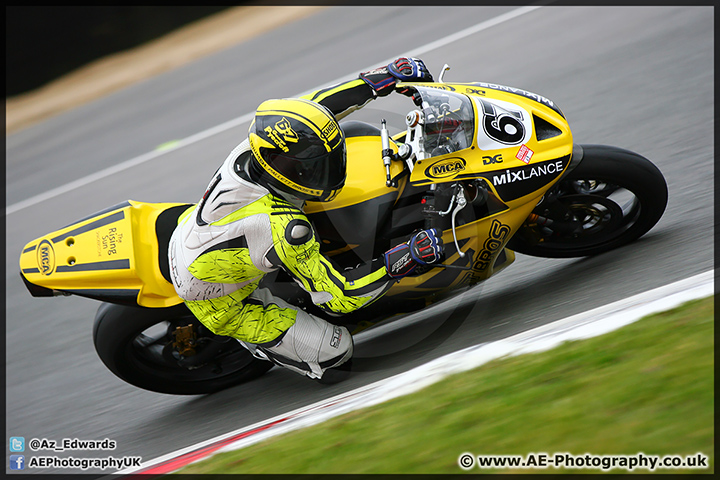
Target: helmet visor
[{"x": 322, "y": 172}]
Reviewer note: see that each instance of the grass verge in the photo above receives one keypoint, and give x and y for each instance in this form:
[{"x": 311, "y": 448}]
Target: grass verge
[{"x": 647, "y": 387}]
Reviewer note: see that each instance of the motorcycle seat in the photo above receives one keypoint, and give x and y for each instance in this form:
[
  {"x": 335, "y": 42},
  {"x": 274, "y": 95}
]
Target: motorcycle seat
[{"x": 164, "y": 227}]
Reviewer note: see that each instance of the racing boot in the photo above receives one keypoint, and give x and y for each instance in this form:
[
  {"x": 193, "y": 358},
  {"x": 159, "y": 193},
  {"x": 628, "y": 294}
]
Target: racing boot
[{"x": 311, "y": 347}]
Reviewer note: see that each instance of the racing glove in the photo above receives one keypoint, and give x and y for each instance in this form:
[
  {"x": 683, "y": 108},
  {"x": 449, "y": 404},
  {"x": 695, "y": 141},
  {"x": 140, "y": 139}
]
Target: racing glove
[
  {"x": 424, "y": 248},
  {"x": 405, "y": 69}
]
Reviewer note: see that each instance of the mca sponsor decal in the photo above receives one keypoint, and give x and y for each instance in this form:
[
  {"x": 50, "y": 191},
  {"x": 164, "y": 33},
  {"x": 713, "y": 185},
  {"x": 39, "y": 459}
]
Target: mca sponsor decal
[
  {"x": 446, "y": 168},
  {"x": 46, "y": 257}
]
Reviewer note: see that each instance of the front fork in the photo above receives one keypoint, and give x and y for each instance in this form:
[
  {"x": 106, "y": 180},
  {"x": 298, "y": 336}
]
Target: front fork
[{"x": 562, "y": 221}]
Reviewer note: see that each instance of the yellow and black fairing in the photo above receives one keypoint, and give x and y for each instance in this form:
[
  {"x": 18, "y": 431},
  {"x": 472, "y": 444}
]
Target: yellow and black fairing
[
  {"x": 515, "y": 165},
  {"x": 503, "y": 180},
  {"x": 352, "y": 227},
  {"x": 118, "y": 255}
]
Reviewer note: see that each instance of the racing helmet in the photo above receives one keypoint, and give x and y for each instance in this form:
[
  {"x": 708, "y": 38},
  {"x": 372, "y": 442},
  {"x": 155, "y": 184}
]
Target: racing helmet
[{"x": 297, "y": 148}]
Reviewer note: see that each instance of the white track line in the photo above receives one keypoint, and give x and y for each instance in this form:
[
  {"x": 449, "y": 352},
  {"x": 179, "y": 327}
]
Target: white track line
[
  {"x": 584, "y": 325},
  {"x": 81, "y": 182}
]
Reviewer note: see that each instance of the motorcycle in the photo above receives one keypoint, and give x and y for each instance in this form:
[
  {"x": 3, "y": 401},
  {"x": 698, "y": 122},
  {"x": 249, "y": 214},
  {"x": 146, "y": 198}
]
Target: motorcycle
[{"x": 494, "y": 168}]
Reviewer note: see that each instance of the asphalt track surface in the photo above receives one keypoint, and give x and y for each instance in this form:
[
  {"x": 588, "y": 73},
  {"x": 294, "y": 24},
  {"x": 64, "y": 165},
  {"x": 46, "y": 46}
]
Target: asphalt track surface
[{"x": 635, "y": 77}]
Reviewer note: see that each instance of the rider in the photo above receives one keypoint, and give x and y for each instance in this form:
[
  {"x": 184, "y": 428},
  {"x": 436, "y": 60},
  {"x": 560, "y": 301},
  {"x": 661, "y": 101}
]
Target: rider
[{"x": 250, "y": 222}]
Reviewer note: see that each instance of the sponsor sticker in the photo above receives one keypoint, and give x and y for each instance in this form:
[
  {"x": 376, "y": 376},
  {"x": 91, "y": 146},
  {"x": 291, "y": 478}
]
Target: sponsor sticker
[
  {"x": 446, "y": 168},
  {"x": 524, "y": 154},
  {"x": 282, "y": 134},
  {"x": 490, "y": 159},
  {"x": 46, "y": 257},
  {"x": 400, "y": 264},
  {"x": 329, "y": 130},
  {"x": 527, "y": 173},
  {"x": 337, "y": 335}
]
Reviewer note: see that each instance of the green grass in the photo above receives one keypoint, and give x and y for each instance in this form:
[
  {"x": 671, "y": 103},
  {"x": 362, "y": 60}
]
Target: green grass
[{"x": 647, "y": 387}]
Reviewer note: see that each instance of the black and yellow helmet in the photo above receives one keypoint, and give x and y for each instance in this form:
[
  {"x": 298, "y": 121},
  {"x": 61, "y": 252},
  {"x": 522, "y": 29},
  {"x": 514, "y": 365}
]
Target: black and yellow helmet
[{"x": 298, "y": 148}]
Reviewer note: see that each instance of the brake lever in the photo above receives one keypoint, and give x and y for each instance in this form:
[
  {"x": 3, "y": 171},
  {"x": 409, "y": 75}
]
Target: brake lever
[
  {"x": 441, "y": 77},
  {"x": 461, "y": 203}
]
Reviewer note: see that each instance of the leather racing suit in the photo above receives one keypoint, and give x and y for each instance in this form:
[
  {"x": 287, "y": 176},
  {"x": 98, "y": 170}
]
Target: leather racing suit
[{"x": 240, "y": 231}]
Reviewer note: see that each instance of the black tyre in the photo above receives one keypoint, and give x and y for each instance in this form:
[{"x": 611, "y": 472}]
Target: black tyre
[
  {"x": 136, "y": 344},
  {"x": 612, "y": 197}
]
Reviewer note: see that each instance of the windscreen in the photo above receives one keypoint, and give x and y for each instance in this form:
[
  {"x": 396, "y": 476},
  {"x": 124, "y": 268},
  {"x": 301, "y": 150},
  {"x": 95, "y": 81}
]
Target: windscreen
[{"x": 449, "y": 121}]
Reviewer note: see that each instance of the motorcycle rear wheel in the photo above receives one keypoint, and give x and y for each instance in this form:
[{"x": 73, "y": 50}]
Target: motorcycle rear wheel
[
  {"x": 136, "y": 345},
  {"x": 611, "y": 198}
]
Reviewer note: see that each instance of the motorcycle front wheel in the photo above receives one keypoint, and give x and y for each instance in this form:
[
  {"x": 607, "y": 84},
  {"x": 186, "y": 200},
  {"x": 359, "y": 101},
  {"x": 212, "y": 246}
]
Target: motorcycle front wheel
[
  {"x": 612, "y": 197},
  {"x": 139, "y": 345}
]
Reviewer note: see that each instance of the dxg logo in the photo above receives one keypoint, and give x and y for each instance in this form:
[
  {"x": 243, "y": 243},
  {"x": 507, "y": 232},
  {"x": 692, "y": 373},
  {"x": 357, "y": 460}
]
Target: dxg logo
[{"x": 489, "y": 160}]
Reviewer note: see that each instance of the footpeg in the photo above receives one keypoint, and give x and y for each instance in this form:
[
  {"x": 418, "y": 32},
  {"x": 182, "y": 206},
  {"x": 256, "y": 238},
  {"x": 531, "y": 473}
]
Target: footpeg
[{"x": 185, "y": 340}]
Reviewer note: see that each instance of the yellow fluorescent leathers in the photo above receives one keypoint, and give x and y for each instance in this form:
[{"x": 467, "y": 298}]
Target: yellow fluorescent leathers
[
  {"x": 239, "y": 232},
  {"x": 231, "y": 268}
]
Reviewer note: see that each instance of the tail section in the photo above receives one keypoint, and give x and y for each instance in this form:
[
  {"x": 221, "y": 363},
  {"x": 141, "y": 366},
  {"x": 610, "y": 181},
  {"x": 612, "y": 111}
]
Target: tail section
[{"x": 113, "y": 256}]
